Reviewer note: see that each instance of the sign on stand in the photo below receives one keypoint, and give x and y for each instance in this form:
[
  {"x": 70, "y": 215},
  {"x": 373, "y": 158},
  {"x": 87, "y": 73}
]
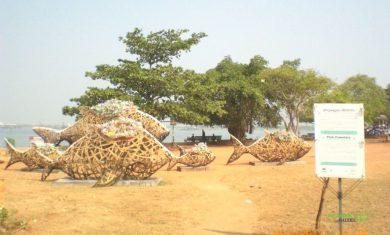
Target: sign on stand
[
  {"x": 339, "y": 140},
  {"x": 339, "y": 147}
]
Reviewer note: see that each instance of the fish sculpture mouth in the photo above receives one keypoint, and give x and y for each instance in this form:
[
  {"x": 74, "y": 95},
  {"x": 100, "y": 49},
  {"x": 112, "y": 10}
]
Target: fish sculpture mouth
[
  {"x": 49, "y": 135},
  {"x": 163, "y": 136}
]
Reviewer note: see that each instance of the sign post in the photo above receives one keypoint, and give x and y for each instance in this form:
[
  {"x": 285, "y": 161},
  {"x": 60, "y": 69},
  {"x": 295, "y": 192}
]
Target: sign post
[
  {"x": 339, "y": 145},
  {"x": 173, "y": 124},
  {"x": 340, "y": 197}
]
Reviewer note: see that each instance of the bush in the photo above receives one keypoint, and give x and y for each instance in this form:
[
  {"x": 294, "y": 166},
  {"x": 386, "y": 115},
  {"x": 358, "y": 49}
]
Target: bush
[
  {"x": 8, "y": 223},
  {"x": 11, "y": 140}
]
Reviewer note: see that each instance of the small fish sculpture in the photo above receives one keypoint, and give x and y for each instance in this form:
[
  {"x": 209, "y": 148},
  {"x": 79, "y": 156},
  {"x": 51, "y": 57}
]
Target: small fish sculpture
[
  {"x": 198, "y": 156},
  {"x": 99, "y": 114},
  {"x": 273, "y": 147},
  {"x": 120, "y": 148},
  {"x": 34, "y": 157}
]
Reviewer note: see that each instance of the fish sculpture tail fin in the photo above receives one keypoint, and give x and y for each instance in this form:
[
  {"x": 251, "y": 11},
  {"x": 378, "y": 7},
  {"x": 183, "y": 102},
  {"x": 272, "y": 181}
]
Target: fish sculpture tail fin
[
  {"x": 49, "y": 135},
  {"x": 174, "y": 161},
  {"x": 239, "y": 150},
  {"x": 14, "y": 154}
]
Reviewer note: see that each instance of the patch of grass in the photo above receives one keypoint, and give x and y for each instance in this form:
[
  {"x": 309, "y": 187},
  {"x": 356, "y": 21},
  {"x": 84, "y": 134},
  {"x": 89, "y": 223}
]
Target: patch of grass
[{"x": 8, "y": 223}]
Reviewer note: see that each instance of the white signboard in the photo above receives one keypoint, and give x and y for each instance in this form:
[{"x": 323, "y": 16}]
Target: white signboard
[{"x": 339, "y": 140}]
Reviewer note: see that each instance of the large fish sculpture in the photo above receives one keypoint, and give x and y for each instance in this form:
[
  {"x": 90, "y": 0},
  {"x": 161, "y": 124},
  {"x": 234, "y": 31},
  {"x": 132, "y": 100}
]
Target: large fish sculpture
[
  {"x": 34, "y": 157},
  {"x": 273, "y": 147},
  {"x": 120, "y": 148},
  {"x": 99, "y": 114},
  {"x": 197, "y": 156}
]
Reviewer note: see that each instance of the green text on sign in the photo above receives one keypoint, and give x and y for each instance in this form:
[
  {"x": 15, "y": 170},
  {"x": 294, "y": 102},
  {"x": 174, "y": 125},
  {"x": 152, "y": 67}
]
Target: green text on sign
[
  {"x": 338, "y": 163},
  {"x": 339, "y": 132}
]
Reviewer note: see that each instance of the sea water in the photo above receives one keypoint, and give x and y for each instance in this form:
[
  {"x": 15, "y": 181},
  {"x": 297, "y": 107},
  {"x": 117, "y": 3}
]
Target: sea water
[{"x": 180, "y": 132}]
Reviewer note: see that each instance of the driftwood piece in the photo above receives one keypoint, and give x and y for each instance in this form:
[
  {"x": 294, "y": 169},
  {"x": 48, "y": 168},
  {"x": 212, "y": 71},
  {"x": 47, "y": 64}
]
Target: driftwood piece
[
  {"x": 90, "y": 117},
  {"x": 273, "y": 147},
  {"x": 107, "y": 159}
]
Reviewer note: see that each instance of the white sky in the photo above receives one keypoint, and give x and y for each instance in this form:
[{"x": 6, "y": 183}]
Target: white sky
[{"x": 47, "y": 46}]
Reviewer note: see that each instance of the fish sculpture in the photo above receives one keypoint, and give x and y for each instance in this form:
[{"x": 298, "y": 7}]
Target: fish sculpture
[
  {"x": 198, "y": 156},
  {"x": 279, "y": 147},
  {"x": 99, "y": 114},
  {"x": 120, "y": 148},
  {"x": 34, "y": 157}
]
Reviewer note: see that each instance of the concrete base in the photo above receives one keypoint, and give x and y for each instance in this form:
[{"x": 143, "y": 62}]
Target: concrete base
[
  {"x": 188, "y": 168},
  {"x": 143, "y": 183},
  {"x": 40, "y": 170},
  {"x": 258, "y": 163},
  {"x": 298, "y": 162}
]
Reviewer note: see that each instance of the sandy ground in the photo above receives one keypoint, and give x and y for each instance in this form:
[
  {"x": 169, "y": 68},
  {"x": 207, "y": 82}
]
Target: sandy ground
[{"x": 234, "y": 199}]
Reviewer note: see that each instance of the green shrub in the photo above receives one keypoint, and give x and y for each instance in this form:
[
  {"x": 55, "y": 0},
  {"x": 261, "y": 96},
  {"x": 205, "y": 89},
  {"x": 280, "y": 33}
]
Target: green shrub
[{"x": 11, "y": 140}]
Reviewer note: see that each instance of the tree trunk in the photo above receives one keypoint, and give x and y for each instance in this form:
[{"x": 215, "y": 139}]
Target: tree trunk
[
  {"x": 324, "y": 187},
  {"x": 293, "y": 121},
  {"x": 238, "y": 132}
]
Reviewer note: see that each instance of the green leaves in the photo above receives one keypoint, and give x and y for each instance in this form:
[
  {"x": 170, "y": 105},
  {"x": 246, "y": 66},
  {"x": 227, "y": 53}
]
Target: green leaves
[
  {"x": 159, "y": 47},
  {"x": 291, "y": 91},
  {"x": 232, "y": 94},
  {"x": 240, "y": 90},
  {"x": 363, "y": 89},
  {"x": 152, "y": 82}
]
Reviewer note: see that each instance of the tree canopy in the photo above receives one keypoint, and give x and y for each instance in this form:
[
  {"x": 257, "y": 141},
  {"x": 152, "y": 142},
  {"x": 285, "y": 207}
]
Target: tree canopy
[
  {"x": 150, "y": 80},
  {"x": 241, "y": 89},
  {"x": 363, "y": 89},
  {"x": 235, "y": 95},
  {"x": 291, "y": 91}
]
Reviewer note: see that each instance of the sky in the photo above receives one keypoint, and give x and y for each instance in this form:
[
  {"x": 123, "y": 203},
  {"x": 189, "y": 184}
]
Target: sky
[{"x": 47, "y": 46}]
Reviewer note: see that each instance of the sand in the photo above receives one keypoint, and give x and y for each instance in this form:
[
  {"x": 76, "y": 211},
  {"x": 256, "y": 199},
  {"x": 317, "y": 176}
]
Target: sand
[{"x": 233, "y": 199}]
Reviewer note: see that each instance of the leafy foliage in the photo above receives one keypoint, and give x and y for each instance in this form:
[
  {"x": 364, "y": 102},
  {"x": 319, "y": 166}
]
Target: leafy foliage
[
  {"x": 290, "y": 91},
  {"x": 363, "y": 89},
  {"x": 232, "y": 94},
  {"x": 11, "y": 140},
  {"x": 8, "y": 222},
  {"x": 159, "y": 47},
  {"x": 152, "y": 82},
  {"x": 241, "y": 89}
]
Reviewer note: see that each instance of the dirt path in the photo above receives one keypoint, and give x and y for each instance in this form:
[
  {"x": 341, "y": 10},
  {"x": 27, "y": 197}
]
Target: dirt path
[
  {"x": 190, "y": 202},
  {"x": 234, "y": 199},
  {"x": 228, "y": 211}
]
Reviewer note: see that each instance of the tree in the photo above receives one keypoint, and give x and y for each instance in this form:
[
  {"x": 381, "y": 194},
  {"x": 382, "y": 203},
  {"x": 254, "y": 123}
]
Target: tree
[
  {"x": 363, "y": 89},
  {"x": 241, "y": 90},
  {"x": 150, "y": 80},
  {"x": 334, "y": 95},
  {"x": 290, "y": 91},
  {"x": 387, "y": 90}
]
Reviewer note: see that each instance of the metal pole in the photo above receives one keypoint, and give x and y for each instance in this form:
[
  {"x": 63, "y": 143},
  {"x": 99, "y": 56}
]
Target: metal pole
[
  {"x": 173, "y": 134},
  {"x": 340, "y": 197}
]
